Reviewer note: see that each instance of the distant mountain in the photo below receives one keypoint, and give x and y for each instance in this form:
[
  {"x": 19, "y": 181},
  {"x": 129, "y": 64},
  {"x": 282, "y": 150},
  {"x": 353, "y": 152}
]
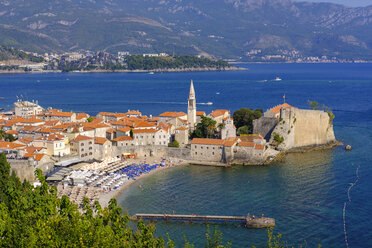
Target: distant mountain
[{"x": 222, "y": 28}]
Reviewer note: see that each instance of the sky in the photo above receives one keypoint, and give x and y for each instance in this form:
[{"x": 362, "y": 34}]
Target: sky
[{"x": 353, "y": 3}]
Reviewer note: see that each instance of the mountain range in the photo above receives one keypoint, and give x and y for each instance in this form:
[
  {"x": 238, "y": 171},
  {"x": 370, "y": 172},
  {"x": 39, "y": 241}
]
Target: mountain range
[{"x": 219, "y": 28}]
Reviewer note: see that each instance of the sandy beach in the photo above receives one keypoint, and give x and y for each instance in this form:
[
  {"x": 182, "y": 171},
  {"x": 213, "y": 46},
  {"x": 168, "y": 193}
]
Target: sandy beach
[{"x": 104, "y": 198}]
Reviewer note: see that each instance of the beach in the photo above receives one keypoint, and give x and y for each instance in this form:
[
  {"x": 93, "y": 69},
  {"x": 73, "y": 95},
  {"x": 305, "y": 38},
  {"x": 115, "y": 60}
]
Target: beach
[{"x": 105, "y": 197}]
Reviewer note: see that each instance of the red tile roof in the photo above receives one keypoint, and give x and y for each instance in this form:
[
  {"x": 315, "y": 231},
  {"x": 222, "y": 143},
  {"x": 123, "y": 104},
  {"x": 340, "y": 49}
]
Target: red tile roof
[
  {"x": 124, "y": 129},
  {"x": 133, "y": 112},
  {"x": 143, "y": 124},
  {"x": 82, "y": 138},
  {"x": 200, "y": 113},
  {"x": 203, "y": 141},
  {"x": 9, "y": 145},
  {"x": 12, "y": 132},
  {"x": 100, "y": 140},
  {"x": 172, "y": 114},
  {"x": 246, "y": 144},
  {"x": 144, "y": 130},
  {"x": 124, "y": 138},
  {"x": 219, "y": 112},
  {"x": 80, "y": 116},
  {"x": 276, "y": 109}
]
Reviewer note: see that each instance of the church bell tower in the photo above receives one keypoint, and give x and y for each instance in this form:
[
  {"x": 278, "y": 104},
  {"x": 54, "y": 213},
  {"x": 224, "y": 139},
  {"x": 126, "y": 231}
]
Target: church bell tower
[{"x": 191, "y": 110}]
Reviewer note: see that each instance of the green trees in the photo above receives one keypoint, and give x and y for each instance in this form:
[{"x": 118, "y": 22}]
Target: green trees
[
  {"x": 174, "y": 144},
  {"x": 36, "y": 217},
  {"x": 139, "y": 62},
  {"x": 90, "y": 119},
  {"x": 316, "y": 106},
  {"x": 206, "y": 128},
  {"x": 5, "y": 136},
  {"x": 243, "y": 119}
]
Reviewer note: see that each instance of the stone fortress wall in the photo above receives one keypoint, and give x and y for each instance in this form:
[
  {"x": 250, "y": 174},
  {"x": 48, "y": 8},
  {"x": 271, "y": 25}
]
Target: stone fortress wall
[{"x": 304, "y": 128}]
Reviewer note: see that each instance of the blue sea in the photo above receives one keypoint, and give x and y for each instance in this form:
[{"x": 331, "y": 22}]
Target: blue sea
[{"x": 305, "y": 192}]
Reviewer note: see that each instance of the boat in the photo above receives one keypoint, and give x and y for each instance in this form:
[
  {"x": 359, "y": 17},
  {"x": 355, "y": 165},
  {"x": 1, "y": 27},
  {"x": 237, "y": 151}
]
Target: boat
[
  {"x": 151, "y": 73},
  {"x": 277, "y": 79},
  {"x": 209, "y": 103},
  {"x": 217, "y": 93}
]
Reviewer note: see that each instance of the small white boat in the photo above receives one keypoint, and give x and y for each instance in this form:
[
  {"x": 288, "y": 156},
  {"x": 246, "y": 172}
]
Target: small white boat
[
  {"x": 151, "y": 73},
  {"x": 277, "y": 79},
  {"x": 209, "y": 103},
  {"x": 217, "y": 93}
]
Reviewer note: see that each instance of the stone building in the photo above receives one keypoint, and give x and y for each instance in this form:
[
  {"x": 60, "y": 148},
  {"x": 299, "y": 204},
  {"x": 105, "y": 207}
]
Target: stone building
[
  {"x": 83, "y": 146},
  {"x": 275, "y": 111},
  {"x": 123, "y": 141},
  {"x": 55, "y": 144},
  {"x": 102, "y": 148},
  {"x": 229, "y": 129},
  {"x": 182, "y": 136},
  {"x": 26, "y": 108},
  {"x": 219, "y": 115},
  {"x": 144, "y": 137}
]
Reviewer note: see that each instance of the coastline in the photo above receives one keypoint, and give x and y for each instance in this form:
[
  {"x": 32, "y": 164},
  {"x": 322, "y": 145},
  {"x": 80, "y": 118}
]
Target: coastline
[
  {"x": 232, "y": 68},
  {"x": 104, "y": 198}
]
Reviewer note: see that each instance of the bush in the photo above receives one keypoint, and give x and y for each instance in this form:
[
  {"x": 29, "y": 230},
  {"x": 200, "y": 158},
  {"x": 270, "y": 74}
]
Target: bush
[
  {"x": 174, "y": 144},
  {"x": 279, "y": 139}
]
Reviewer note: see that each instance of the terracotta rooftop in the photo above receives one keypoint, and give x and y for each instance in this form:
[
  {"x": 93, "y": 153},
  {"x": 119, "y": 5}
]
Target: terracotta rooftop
[
  {"x": 246, "y": 144},
  {"x": 80, "y": 116},
  {"x": 133, "y": 112},
  {"x": 9, "y": 145},
  {"x": 36, "y": 156},
  {"x": 33, "y": 149},
  {"x": 124, "y": 138},
  {"x": 143, "y": 124},
  {"x": 12, "y": 132},
  {"x": 100, "y": 140},
  {"x": 219, "y": 112},
  {"x": 144, "y": 130},
  {"x": 82, "y": 138},
  {"x": 276, "y": 109},
  {"x": 61, "y": 114},
  {"x": 203, "y": 141},
  {"x": 95, "y": 125},
  {"x": 111, "y": 130},
  {"x": 200, "y": 113},
  {"x": 124, "y": 129},
  {"x": 172, "y": 114},
  {"x": 26, "y": 140}
]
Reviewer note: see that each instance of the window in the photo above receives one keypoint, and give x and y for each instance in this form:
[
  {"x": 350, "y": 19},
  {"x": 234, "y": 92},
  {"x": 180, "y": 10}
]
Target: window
[
  {"x": 82, "y": 150},
  {"x": 90, "y": 142},
  {"x": 196, "y": 153},
  {"x": 212, "y": 153},
  {"x": 90, "y": 153},
  {"x": 90, "y": 148},
  {"x": 82, "y": 144},
  {"x": 207, "y": 147}
]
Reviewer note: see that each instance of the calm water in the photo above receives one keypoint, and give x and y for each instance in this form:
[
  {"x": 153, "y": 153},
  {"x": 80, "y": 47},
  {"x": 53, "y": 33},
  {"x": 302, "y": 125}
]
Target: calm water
[{"x": 305, "y": 193}]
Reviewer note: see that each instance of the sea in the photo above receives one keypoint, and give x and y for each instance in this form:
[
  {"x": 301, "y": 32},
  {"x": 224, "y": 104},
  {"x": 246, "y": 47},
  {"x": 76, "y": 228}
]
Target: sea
[{"x": 320, "y": 197}]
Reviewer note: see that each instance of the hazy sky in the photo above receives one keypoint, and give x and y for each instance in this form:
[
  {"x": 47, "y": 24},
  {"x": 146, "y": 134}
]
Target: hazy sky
[{"x": 346, "y": 2}]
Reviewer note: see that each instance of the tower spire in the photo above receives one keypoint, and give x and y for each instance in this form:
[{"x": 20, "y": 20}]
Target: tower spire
[
  {"x": 192, "y": 91},
  {"x": 191, "y": 110}
]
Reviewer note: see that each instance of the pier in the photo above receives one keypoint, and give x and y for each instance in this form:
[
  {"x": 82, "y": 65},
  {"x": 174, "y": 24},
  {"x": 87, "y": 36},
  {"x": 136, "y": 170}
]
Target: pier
[{"x": 249, "y": 222}]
